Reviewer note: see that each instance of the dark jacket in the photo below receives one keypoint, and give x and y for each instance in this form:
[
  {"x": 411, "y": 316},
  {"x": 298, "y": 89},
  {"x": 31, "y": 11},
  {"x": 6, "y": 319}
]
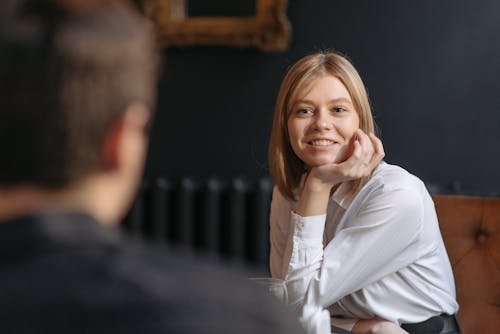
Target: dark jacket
[{"x": 66, "y": 273}]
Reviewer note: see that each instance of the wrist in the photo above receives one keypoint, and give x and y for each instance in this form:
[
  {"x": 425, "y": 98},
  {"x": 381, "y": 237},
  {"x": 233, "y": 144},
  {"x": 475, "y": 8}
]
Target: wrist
[
  {"x": 317, "y": 185},
  {"x": 314, "y": 198}
]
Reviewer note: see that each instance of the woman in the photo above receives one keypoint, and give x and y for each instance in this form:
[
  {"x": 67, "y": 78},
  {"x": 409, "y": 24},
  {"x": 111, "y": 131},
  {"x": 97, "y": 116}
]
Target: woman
[{"x": 349, "y": 232}]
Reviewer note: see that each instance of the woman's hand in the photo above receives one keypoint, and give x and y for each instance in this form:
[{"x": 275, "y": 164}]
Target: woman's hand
[{"x": 357, "y": 159}]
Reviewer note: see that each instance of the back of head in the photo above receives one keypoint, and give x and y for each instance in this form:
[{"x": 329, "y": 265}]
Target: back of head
[{"x": 67, "y": 71}]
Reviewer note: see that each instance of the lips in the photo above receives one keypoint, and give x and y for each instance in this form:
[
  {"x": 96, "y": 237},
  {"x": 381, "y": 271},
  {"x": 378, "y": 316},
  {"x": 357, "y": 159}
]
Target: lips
[{"x": 321, "y": 142}]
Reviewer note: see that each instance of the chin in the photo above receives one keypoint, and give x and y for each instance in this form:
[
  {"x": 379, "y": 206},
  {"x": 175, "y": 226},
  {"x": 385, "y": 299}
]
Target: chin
[{"x": 319, "y": 162}]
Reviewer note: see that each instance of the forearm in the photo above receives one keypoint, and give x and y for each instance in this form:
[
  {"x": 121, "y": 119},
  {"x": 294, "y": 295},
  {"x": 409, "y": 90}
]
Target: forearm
[
  {"x": 306, "y": 255},
  {"x": 308, "y": 220},
  {"x": 326, "y": 274},
  {"x": 313, "y": 200}
]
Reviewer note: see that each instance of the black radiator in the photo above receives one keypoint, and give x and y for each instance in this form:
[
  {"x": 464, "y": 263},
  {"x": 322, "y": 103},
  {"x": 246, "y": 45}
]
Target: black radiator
[{"x": 229, "y": 219}]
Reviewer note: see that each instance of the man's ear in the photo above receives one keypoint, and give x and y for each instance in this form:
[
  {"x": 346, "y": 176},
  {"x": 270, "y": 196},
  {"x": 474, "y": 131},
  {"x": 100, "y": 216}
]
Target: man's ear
[
  {"x": 111, "y": 144},
  {"x": 133, "y": 121}
]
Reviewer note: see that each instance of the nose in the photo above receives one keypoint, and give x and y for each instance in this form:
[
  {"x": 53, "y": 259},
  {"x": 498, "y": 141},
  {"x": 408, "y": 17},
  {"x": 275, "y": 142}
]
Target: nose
[{"x": 322, "y": 121}]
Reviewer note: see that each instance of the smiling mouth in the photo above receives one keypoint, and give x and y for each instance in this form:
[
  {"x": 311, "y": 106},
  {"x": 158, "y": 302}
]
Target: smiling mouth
[{"x": 321, "y": 142}]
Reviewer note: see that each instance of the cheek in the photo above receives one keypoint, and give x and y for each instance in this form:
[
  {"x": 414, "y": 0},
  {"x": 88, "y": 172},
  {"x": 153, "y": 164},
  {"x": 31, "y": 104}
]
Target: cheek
[
  {"x": 349, "y": 127},
  {"x": 294, "y": 136},
  {"x": 297, "y": 128},
  {"x": 292, "y": 139},
  {"x": 292, "y": 131}
]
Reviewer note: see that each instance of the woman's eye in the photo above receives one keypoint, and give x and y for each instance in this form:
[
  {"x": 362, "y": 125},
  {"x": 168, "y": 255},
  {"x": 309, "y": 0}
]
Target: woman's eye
[
  {"x": 339, "y": 109},
  {"x": 303, "y": 111}
]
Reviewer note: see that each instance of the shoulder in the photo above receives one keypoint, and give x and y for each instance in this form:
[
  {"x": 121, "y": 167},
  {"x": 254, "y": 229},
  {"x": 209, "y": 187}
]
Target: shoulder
[
  {"x": 392, "y": 177},
  {"x": 180, "y": 286},
  {"x": 394, "y": 188},
  {"x": 279, "y": 203},
  {"x": 394, "y": 181},
  {"x": 392, "y": 199},
  {"x": 99, "y": 273}
]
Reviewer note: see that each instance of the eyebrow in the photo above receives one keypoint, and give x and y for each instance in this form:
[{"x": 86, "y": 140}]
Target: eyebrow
[{"x": 339, "y": 100}]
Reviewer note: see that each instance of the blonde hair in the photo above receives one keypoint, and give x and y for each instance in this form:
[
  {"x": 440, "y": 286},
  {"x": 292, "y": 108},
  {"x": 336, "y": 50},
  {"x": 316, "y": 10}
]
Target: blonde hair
[{"x": 285, "y": 167}]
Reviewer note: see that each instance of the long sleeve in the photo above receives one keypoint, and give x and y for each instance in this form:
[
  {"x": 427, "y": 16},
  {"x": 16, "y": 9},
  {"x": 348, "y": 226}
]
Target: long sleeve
[
  {"x": 376, "y": 238},
  {"x": 280, "y": 236},
  {"x": 380, "y": 254}
]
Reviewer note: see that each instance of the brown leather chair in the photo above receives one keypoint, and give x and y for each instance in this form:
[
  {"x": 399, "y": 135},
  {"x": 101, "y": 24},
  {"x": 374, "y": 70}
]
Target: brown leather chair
[{"x": 471, "y": 231}]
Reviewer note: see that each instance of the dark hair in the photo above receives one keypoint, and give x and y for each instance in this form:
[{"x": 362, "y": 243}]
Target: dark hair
[{"x": 68, "y": 69}]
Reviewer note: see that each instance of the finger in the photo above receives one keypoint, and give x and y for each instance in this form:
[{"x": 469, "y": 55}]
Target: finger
[
  {"x": 365, "y": 142},
  {"x": 346, "y": 150},
  {"x": 343, "y": 153},
  {"x": 379, "y": 152},
  {"x": 355, "y": 157},
  {"x": 377, "y": 144},
  {"x": 367, "y": 148}
]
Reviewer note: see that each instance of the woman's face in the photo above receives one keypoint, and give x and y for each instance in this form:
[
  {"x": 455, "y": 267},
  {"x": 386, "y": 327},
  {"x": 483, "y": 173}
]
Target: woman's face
[{"x": 322, "y": 121}]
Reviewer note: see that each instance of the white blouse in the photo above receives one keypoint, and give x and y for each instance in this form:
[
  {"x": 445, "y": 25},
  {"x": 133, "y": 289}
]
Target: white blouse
[{"x": 380, "y": 254}]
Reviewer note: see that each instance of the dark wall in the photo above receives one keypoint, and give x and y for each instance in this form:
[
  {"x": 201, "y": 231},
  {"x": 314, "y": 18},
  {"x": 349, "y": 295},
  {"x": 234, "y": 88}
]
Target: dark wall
[{"x": 432, "y": 69}]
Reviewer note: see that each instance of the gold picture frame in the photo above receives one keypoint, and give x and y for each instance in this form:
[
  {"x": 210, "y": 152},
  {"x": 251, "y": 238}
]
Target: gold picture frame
[{"x": 268, "y": 30}]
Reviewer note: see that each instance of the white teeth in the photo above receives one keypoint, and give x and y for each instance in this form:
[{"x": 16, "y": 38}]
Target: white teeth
[{"x": 322, "y": 142}]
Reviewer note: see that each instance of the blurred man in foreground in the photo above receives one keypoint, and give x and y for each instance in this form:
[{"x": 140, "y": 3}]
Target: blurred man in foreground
[{"x": 77, "y": 83}]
